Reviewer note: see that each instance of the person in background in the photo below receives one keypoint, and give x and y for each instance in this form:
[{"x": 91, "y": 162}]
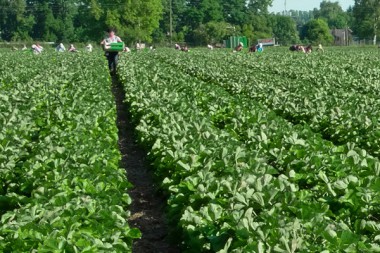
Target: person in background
[
  {"x": 252, "y": 49},
  {"x": 37, "y": 48},
  {"x": 112, "y": 57},
  {"x": 89, "y": 48},
  {"x": 24, "y": 48},
  {"x": 308, "y": 49},
  {"x": 210, "y": 47},
  {"x": 60, "y": 48},
  {"x": 185, "y": 49},
  {"x": 72, "y": 49},
  {"x": 239, "y": 47},
  {"x": 259, "y": 47},
  {"x": 127, "y": 50},
  {"x": 177, "y": 47},
  {"x": 320, "y": 48},
  {"x": 293, "y": 48}
]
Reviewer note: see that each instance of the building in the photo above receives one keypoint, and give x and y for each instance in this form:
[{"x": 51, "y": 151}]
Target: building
[{"x": 342, "y": 37}]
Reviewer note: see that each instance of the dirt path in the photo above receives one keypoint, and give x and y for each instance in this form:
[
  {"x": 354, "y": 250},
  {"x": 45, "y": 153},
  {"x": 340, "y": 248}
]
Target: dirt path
[{"x": 148, "y": 207}]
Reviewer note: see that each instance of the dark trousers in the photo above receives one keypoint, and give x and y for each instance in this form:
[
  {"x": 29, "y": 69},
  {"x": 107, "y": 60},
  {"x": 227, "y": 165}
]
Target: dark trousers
[{"x": 112, "y": 58}]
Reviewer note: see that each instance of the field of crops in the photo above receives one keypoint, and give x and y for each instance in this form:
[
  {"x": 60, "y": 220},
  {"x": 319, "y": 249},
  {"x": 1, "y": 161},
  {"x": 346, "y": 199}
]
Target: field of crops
[
  {"x": 61, "y": 188},
  {"x": 272, "y": 152}
]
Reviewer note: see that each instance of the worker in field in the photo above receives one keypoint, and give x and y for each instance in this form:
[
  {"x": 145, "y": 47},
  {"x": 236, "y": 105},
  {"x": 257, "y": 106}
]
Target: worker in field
[
  {"x": 252, "y": 49},
  {"x": 89, "y": 48},
  {"x": 37, "y": 48},
  {"x": 260, "y": 47},
  {"x": 239, "y": 47},
  {"x": 72, "y": 49},
  {"x": 112, "y": 57},
  {"x": 293, "y": 48},
  {"x": 308, "y": 49},
  {"x": 185, "y": 49},
  {"x": 177, "y": 47},
  {"x": 320, "y": 48},
  {"x": 60, "y": 48}
]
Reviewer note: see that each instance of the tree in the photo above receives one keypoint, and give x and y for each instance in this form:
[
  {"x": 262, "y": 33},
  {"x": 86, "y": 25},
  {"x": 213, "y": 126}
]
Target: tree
[
  {"x": 366, "y": 15},
  {"x": 235, "y": 12},
  {"x": 212, "y": 11},
  {"x": 15, "y": 24},
  {"x": 211, "y": 33},
  {"x": 259, "y": 6},
  {"x": 333, "y": 13},
  {"x": 46, "y": 25},
  {"x": 284, "y": 29},
  {"x": 133, "y": 19},
  {"x": 178, "y": 8},
  {"x": 141, "y": 26},
  {"x": 317, "y": 31},
  {"x": 261, "y": 27}
]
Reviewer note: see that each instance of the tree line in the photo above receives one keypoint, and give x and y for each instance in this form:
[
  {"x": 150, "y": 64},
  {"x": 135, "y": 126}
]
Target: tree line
[{"x": 196, "y": 22}]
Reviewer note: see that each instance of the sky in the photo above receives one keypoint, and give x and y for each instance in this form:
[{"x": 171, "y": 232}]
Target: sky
[{"x": 304, "y": 5}]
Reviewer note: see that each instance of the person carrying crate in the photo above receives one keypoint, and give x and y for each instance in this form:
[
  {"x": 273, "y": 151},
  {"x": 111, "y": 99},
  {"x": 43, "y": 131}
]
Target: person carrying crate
[{"x": 112, "y": 57}]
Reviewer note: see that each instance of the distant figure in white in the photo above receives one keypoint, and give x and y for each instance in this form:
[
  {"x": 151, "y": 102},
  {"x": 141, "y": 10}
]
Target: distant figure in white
[
  {"x": 320, "y": 48},
  {"x": 260, "y": 47},
  {"x": 89, "y": 48},
  {"x": 210, "y": 47},
  {"x": 127, "y": 50},
  {"x": 60, "y": 48},
  {"x": 140, "y": 46},
  {"x": 24, "y": 48},
  {"x": 72, "y": 49},
  {"x": 37, "y": 48},
  {"x": 177, "y": 47}
]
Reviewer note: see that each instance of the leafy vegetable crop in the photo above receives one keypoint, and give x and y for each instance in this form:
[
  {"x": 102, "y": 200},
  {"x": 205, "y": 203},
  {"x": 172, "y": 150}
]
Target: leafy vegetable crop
[
  {"x": 335, "y": 93},
  {"x": 61, "y": 188},
  {"x": 240, "y": 177}
]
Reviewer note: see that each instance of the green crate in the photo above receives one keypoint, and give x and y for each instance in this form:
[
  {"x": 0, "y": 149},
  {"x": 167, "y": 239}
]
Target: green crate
[{"x": 114, "y": 47}]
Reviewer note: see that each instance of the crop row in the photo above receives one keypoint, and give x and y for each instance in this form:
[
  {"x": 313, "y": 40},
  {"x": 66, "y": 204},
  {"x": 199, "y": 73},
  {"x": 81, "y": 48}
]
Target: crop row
[
  {"x": 242, "y": 179},
  {"x": 61, "y": 188},
  {"x": 341, "y": 116}
]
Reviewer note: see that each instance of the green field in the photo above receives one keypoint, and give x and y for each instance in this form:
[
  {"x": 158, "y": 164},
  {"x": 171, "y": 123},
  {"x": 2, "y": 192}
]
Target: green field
[
  {"x": 271, "y": 152},
  {"x": 61, "y": 189}
]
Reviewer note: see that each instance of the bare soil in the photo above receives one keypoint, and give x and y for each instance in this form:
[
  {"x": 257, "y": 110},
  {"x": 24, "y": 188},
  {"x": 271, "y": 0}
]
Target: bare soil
[{"x": 148, "y": 205}]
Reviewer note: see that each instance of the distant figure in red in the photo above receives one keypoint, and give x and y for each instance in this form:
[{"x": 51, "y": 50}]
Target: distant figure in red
[
  {"x": 308, "y": 49},
  {"x": 299, "y": 48},
  {"x": 72, "y": 49},
  {"x": 239, "y": 47}
]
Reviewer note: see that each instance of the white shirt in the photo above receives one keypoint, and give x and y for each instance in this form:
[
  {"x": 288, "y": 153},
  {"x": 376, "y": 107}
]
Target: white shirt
[{"x": 113, "y": 39}]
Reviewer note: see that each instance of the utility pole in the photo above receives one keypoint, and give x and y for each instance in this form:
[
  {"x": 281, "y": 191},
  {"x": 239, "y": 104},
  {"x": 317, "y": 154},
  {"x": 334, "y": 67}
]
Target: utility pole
[{"x": 171, "y": 22}]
